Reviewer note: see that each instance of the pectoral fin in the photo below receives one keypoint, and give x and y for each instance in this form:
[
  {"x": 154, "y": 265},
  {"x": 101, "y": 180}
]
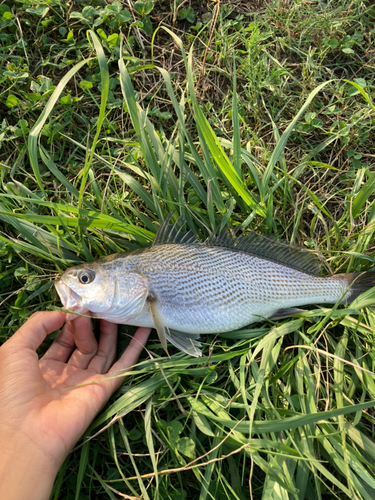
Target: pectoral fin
[
  {"x": 153, "y": 302},
  {"x": 186, "y": 342}
]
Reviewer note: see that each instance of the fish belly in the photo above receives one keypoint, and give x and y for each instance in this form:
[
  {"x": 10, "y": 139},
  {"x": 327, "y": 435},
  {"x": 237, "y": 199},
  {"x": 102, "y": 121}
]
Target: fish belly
[{"x": 213, "y": 290}]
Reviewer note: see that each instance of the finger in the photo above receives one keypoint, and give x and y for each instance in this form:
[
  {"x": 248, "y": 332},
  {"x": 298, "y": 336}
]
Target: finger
[
  {"x": 129, "y": 357},
  {"x": 107, "y": 348},
  {"x": 85, "y": 341},
  {"x": 37, "y": 327},
  {"x": 103, "y": 387},
  {"x": 62, "y": 347}
]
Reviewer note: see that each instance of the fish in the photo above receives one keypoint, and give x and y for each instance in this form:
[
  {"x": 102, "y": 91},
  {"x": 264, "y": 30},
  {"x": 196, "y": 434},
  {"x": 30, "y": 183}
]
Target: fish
[{"x": 184, "y": 287}]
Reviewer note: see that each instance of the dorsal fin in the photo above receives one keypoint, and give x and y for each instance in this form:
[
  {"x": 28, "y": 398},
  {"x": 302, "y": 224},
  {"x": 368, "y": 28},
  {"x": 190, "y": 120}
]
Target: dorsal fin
[
  {"x": 266, "y": 247},
  {"x": 271, "y": 249},
  {"x": 172, "y": 233}
]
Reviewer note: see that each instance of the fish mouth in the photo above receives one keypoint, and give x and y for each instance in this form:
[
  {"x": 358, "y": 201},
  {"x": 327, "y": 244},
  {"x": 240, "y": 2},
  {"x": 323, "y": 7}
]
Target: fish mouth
[{"x": 70, "y": 300}]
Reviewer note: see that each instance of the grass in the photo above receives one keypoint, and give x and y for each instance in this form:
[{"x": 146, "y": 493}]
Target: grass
[{"x": 258, "y": 116}]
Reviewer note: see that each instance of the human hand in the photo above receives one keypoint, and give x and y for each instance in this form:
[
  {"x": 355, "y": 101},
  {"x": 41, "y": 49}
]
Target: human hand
[{"x": 41, "y": 415}]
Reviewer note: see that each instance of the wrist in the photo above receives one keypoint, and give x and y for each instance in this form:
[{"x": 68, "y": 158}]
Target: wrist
[{"x": 25, "y": 470}]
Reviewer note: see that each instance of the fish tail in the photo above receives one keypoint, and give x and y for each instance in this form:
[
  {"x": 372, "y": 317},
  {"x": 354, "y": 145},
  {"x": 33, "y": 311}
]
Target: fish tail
[{"x": 358, "y": 283}]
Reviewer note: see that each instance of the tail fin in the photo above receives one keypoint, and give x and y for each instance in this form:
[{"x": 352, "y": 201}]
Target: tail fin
[{"x": 359, "y": 283}]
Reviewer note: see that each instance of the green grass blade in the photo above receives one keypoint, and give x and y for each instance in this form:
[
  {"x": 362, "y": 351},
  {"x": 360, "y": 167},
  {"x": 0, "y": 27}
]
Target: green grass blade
[
  {"x": 236, "y": 126},
  {"x": 363, "y": 93},
  {"x": 150, "y": 443},
  {"x": 280, "y": 146},
  {"x": 137, "y": 188},
  {"x": 139, "y": 121},
  {"x": 364, "y": 194},
  {"x": 180, "y": 161},
  {"x": 111, "y": 496},
  {"x": 128, "y": 449},
  {"x": 57, "y": 173},
  {"x": 83, "y": 462},
  {"x": 260, "y": 427},
  {"x": 104, "y": 74},
  {"x": 209, "y": 140},
  {"x": 131, "y": 399},
  {"x": 34, "y": 133}
]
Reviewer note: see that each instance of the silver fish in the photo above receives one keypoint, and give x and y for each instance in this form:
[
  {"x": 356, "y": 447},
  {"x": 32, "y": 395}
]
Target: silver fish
[{"x": 184, "y": 287}]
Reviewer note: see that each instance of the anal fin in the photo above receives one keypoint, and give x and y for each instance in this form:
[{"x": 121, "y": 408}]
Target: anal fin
[
  {"x": 286, "y": 313},
  {"x": 186, "y": 342}
]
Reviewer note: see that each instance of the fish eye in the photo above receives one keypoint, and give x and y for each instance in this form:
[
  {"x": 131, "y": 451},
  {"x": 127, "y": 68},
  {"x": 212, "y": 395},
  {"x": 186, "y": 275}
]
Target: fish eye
[{"x": 86, "y": 277}]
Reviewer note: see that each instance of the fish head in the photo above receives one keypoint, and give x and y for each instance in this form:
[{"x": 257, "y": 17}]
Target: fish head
[
  {"x": 104, "y": 290},
  {"x": 84, "y": 289}
]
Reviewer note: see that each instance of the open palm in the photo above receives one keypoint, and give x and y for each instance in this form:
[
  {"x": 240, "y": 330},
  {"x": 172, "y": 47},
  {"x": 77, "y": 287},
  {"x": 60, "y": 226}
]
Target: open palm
[{"x": 42, "y": 400}]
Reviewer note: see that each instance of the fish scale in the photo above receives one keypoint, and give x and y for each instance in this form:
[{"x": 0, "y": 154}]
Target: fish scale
[
  {"x": 184, "y": 287},
  {"x": 213, "y": 290}
]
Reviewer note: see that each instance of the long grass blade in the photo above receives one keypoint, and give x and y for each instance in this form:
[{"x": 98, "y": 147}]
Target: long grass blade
[
  {"x": 36, "y": 130},
  {"x": 104, "y": 74},
  {"x": 280, "y": 146}
]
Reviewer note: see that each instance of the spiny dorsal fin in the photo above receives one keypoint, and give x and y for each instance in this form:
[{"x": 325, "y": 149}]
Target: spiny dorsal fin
[
  {"x": 266, "y": 247},
  {"x": 172, "y": 233},
  {"x": 271, "y": 249}
]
